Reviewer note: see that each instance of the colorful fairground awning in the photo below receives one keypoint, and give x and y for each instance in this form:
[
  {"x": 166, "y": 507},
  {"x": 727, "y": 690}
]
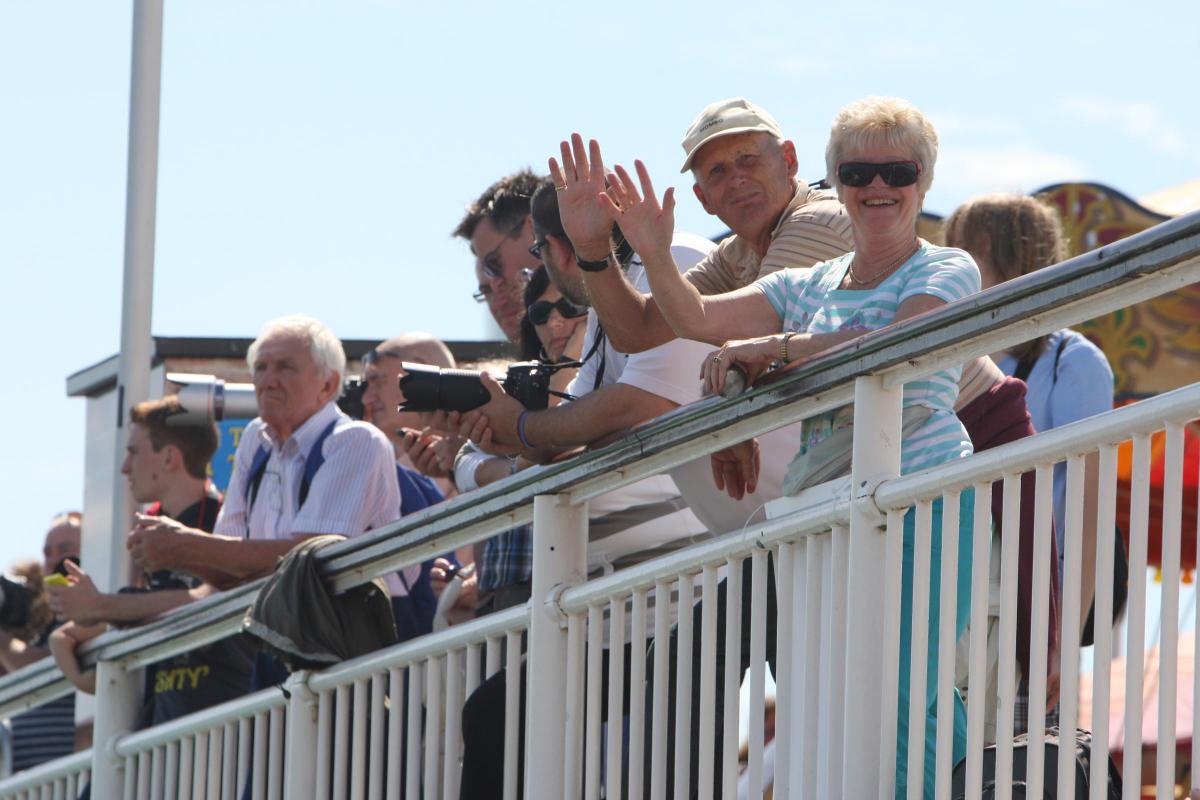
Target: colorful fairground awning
[{"x": 1153, "y": 347}]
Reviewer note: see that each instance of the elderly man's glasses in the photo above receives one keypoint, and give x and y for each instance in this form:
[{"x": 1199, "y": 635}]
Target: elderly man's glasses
[
  {"x": 539, "y": 312},
  {"x": 894, "y": 173}
]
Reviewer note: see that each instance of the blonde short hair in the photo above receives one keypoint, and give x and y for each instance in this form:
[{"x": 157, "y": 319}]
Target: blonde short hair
[{"x": 890, "y": 120}]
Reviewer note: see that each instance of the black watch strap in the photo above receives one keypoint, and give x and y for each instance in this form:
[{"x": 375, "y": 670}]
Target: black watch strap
[{"x": 593, "y": 266}]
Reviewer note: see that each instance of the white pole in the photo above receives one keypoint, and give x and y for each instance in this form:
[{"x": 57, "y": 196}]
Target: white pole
[
  {"x": 559, "y": 558},
  {"x": 302, "y": 734},
  {"x": 117, "y": 690},
  {"x": 876, "y": 457},
  {"x": 133, "y": 371}
]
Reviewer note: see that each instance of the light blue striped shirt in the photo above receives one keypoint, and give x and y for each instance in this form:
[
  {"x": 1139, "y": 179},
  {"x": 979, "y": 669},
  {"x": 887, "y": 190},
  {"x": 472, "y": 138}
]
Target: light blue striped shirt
[{"x": 809, "y": 301}]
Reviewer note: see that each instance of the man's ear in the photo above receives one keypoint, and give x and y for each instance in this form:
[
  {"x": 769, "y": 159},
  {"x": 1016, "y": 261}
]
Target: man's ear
[
  {"x": 330, "y": 386},
  {"x": 703, "y": 201},
  {"x": 788, "y": 148},
  {"x": 172, "y": 457}
]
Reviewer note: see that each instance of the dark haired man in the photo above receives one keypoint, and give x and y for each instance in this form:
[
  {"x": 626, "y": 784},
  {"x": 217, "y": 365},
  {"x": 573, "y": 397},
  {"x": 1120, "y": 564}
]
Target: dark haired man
[
  {"x": 166, "y": 467},
  {"x": 614, "y": 392},
  {"x": 497, "y": 226}
]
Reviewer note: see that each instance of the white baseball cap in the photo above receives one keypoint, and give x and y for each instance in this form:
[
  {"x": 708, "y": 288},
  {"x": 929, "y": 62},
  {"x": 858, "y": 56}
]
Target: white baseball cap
[{"x": 722, "y": 118}]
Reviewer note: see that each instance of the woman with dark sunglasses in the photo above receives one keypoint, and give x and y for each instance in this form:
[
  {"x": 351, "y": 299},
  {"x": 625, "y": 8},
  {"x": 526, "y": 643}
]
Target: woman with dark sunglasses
[
  {"x": 880, "y": 159},
  {"x": 553, "y": 327}
]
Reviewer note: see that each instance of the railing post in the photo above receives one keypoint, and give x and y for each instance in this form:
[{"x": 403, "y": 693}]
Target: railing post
[
  {"x": 876, "y": 457},
  {"x": 118, "y": 698},
  {"x": 300, "y": 742},
  {"x": 559, "y": 558}
]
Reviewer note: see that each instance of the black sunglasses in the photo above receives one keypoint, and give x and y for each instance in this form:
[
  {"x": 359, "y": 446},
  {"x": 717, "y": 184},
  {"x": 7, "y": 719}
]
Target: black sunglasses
[
  {"x": 539, "y": 312},
  {"x": 894, "y": 173},
  {"x": 535, "y": 249}
]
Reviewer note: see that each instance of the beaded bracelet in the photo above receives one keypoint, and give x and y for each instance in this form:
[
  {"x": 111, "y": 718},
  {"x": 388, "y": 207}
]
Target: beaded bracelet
[{"x": 521, "y": 430}]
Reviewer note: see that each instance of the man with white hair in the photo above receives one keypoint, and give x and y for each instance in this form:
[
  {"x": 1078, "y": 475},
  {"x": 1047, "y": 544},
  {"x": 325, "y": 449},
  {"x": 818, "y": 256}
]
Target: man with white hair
[{"x": 302, "y": 468}]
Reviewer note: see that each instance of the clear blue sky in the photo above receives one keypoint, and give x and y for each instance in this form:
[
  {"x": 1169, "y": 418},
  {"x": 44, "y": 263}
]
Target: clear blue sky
[{"x": 315, "y": 155}]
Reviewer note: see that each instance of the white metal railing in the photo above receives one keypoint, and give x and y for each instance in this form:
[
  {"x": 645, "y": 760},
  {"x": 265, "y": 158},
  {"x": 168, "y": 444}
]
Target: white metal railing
[
  {"x": 838, "y": 654},
  {"x": 214, "y": 753},
  {"x": 62, "y": 778}
]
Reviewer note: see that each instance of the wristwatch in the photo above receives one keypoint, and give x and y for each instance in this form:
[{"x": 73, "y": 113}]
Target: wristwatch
[{"x": 593, "y": 266}]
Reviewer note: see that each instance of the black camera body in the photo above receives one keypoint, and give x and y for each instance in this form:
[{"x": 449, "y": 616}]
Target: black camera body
[
  {"x": 429, "y": 388},
  {"x": 351, "y": 401},
  {"x": 21, "y": 600}
]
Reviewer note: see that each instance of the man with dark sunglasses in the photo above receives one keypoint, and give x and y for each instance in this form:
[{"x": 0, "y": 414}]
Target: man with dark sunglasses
[{"x": 498, "y": 229}]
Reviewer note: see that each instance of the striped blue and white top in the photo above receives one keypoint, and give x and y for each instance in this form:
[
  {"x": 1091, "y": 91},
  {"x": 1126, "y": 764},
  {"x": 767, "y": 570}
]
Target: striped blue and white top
[{"x": 809, "y": 301}]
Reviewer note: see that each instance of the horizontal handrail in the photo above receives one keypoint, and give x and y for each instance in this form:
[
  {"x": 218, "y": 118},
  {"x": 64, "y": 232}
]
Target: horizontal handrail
[
  {"x": 816, "y": 520},
  {"x": 207, "y": 719},
  {"x": 47, "y": 773},
  {"x": 454, "y": 638},
  {"x": 1142, "y": 265},
  {"x": 1023, "y": 455}
]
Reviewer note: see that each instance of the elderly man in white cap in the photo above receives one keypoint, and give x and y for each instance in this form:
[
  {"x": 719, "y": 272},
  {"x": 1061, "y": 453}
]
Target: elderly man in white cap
[{"x": 745, "y": 174}]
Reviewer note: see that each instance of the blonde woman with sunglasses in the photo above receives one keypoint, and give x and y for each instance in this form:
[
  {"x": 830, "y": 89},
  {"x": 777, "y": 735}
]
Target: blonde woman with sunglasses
[{"x": 880, "y": 159}]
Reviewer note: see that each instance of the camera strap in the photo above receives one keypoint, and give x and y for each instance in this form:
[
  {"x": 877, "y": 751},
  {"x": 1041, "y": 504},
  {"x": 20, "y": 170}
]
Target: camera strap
[{"x": 598, "y": 344}]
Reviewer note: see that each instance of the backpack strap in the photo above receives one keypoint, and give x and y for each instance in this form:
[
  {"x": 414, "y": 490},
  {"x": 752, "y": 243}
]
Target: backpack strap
[
  {"x": 258, "y": 467},
  {"x": 312, "y": 463},
  {"x": 1058, "y": 351},
  {"x": 316, "y": 457}
]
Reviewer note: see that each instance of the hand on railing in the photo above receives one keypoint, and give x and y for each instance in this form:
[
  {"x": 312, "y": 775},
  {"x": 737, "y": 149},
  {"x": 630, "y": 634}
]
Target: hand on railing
[
  {"x": 735, "y": 469},
  {"x": 751, "y": 356}
]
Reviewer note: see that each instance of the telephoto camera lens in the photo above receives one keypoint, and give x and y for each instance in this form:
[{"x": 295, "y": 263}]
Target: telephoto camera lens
[{"x": 429, "y": 388}]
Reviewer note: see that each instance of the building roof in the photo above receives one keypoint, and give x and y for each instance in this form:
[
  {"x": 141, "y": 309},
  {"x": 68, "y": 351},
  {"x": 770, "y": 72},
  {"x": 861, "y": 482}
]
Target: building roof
[{"x": 102, "y": 376}]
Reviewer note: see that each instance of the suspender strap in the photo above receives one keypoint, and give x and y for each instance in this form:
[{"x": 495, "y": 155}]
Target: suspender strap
[
  {"x": 601, "y": 337},
  {"x": 258, "y": 467},
  {"x": 316, "y": 457},
  {"x": 312, "y": 463}
]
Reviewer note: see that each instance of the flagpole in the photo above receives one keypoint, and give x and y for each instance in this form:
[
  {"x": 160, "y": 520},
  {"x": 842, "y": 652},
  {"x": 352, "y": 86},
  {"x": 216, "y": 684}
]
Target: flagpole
[{"x": 118, "y": 690}]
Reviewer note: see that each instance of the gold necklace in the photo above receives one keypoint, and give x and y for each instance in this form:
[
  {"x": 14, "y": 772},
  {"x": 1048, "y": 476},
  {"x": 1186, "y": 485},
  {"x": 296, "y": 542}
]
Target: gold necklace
[{"x": 860, "y": 282}]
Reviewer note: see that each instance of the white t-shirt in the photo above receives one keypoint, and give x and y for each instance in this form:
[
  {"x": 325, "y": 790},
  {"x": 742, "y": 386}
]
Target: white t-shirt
[
  {"x": 672, "y": 370},
  {"x": 649, "y": 517}
]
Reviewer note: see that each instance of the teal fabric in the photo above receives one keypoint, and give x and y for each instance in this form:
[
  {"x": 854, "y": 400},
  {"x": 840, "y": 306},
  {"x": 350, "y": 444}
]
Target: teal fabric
[{"x": 963, "y": 609}]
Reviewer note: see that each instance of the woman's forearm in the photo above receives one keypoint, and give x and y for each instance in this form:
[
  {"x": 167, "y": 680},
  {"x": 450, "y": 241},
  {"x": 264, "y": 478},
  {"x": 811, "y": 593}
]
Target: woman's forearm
[{"x": 680, "y": 303}]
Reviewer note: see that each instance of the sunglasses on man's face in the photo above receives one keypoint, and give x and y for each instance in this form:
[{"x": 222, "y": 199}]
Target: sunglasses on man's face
[
  {"x": 539, "y": 312},
  {"x": 894, "y": 173}
]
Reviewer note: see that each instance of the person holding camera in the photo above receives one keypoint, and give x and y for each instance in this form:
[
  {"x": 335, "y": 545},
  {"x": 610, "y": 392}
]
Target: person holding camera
[
  {"x": 417, "y": 446},
  {"x": 614, "y": 392},
  {"x": 166, "y": 466},
  {"x": 46, "y": 732},
  {"x": 497, "y": 225}
]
